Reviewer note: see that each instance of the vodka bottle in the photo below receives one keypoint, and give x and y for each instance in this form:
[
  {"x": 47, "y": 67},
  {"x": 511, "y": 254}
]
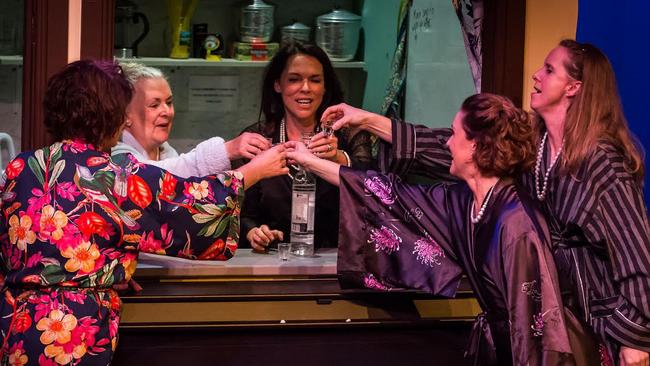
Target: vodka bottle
[{"x": 303, "y": 208}]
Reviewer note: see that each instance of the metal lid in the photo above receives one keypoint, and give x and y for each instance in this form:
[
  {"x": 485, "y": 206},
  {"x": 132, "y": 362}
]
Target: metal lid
[
  {"x": 258, "y": 4},
  {"x": 339, "y": 15},
  {"x": 296, "y": 26}
]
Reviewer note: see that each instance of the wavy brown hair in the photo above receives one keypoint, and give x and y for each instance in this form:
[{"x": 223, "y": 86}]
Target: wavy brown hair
[
  {"x": 595, "y": 113},
  {"x": 87, "y": 100},
  {"x": 503, "y": 134}
]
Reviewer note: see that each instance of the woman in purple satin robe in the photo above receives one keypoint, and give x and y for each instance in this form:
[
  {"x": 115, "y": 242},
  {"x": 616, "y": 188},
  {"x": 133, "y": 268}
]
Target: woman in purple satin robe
[{"x": 423, "y": 237}]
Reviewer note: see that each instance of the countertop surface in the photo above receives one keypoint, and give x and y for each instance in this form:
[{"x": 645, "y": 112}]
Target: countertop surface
[{"x": 244, "y": 263}]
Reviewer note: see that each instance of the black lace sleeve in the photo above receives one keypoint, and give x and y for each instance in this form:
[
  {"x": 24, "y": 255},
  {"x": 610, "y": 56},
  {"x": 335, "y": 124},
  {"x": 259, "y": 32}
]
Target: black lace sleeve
[{"x": 359, "y": 147}]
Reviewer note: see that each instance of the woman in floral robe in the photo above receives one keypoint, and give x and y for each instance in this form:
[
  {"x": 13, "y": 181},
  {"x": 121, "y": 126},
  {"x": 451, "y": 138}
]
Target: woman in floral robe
[{"x": 73, "y": 219}]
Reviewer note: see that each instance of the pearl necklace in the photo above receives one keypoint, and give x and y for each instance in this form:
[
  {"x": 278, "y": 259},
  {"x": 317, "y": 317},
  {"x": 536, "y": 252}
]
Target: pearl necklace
[
  {"x": 540, "y": 189},
  {"x": 481, "y": 211},
  {"x": 283, "y": 139},
  {"x": 283, "y": 131}
]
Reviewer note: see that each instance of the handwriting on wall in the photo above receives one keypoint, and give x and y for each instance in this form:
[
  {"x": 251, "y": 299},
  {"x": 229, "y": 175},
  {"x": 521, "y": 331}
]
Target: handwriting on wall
[{"x": 421, "y": 20}]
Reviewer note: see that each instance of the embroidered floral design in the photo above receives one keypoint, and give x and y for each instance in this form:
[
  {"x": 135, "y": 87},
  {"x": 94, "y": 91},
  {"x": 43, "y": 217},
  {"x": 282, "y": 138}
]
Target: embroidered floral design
[
  {"x": 417, "y": 212},
  {"x": 410, "y": 214},
  {"x": 538, "y": 325},
  {"x": 428, "y": 252},
  {"x": 381, "y": 188},
  {"x": 370, "y": 281},
  {"x": 384, "y": 239},
  {"x": 531, "y": 289}
]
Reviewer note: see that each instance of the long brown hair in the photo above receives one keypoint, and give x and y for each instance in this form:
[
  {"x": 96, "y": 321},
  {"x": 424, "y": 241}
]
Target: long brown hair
[{"x": 595, "y": 113}]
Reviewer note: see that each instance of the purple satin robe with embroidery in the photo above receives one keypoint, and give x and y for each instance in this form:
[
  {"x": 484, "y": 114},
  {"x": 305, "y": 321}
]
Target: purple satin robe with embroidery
[{"x": 395, "y": 235}]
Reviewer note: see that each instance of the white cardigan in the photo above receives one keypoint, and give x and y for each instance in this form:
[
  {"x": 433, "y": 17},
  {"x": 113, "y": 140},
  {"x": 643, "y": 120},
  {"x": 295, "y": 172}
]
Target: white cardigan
[{"x": 208, "y": 157}]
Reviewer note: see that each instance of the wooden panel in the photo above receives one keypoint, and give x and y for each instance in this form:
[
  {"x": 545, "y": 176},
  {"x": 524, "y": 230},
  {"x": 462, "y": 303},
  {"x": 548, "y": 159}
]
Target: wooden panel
[
  {"x": 46, "y": 52},
  {"x": 503, "y": 48},
  {"x": 97, "y": 24}
]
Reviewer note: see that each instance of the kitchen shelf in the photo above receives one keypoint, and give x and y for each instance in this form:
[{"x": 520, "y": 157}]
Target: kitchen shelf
[
  {"x": 11, "y": 60},
  {"x": 227, "y": 62},
  {"x": 196, "y": 62}
]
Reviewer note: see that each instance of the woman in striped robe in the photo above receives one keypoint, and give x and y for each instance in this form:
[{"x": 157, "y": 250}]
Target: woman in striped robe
[{"x": 588, "y": 179}]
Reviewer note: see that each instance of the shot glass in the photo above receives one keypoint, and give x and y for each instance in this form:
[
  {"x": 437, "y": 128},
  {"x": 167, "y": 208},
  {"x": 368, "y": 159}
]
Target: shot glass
[
  {"x": 283, "y": 251},
  {"x": 327, "y": 127}
]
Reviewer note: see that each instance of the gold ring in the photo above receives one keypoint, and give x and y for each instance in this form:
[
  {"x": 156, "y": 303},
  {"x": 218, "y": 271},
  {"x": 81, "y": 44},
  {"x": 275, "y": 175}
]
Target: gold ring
[{"x": 329, "y": 147}]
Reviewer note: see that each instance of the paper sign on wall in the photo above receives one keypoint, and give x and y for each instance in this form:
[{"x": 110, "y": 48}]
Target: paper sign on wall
[{"x": 213, "y": 93}]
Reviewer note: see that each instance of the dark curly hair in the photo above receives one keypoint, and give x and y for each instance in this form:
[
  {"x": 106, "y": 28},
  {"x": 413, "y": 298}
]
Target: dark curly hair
[
  {"x": 87, "y": 100},
  {"x": 503, "y": 134},
  {"x": 272, "y": 106}
]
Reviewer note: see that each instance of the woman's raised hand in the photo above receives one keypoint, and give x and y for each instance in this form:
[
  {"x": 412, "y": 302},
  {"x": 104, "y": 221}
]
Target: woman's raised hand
[
  {"x": 247, "y": 145},
  {"x": 299, "y": 154},
  {"x": 266, "y": 164},
  {"x": 323, "y": 146},
  {"x": 271, "y": 162},
  {"x": 347, "y": 116}
]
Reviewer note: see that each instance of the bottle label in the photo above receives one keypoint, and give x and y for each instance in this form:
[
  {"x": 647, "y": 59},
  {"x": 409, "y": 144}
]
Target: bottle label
[
  {"x": 184, "y": 38},
  {"x": 302, "y": 212},
  {"x": 300, "y": 207}
]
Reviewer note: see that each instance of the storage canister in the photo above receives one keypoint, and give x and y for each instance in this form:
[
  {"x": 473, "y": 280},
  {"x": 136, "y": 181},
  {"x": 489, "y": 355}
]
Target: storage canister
[
  {"x": 337, "y": 33},
  {"x": 296, "y": 31},
  {"x": 256, "y": 22}
]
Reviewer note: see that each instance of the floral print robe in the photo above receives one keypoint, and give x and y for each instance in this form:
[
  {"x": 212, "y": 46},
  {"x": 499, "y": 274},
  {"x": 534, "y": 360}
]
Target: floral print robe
[
  {"x": 396, "y": 235},
  {"x": 72, "y": 221}
]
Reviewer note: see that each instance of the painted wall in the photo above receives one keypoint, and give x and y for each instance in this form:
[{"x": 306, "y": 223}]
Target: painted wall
[
  {"x": 621, "y": 31},
  {"x": 380, "y": 21},
  {"x": 438, "y": 77},
  {"x": 547, "y": 23}
]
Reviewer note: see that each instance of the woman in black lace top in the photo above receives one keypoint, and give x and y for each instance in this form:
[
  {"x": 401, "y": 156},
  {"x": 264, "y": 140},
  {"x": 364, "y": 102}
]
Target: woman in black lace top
[{"x": 299, "y": 84}]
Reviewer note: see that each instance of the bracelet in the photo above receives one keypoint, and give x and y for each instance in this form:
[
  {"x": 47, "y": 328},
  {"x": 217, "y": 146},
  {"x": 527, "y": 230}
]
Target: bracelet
[{"x": 348, "y": 162}]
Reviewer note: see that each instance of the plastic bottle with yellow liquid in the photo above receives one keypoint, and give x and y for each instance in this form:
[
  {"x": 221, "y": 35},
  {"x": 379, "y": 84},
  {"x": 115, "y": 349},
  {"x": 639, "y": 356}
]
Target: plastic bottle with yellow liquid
[{"x": 180, "y": 14}]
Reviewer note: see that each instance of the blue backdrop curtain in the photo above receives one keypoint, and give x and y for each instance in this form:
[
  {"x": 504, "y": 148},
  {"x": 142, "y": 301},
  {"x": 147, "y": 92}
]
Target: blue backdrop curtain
[{"x": 620, "y": 29}]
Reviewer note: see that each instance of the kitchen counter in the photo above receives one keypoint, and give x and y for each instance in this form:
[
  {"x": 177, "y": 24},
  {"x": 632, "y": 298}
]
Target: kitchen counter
[{"x": 244, "y": 263}]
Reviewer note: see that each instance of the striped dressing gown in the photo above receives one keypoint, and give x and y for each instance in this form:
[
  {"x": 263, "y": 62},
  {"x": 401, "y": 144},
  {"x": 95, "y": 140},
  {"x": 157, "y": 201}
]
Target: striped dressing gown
[{"x": 599, "y": 228}]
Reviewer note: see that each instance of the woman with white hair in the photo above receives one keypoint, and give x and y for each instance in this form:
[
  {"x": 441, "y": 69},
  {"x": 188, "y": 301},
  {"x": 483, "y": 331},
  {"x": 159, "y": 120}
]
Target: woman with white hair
[{"x": 150, "y": 117}]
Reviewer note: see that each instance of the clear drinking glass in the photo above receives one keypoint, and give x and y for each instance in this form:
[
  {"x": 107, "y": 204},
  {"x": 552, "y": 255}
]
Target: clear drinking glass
[
  {"x": 283, "y": 251},
  {"x": 327, "y": 127}
]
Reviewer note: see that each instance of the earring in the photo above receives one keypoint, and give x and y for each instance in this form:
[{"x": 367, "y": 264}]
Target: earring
[{"x": 128, "y": 123}]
